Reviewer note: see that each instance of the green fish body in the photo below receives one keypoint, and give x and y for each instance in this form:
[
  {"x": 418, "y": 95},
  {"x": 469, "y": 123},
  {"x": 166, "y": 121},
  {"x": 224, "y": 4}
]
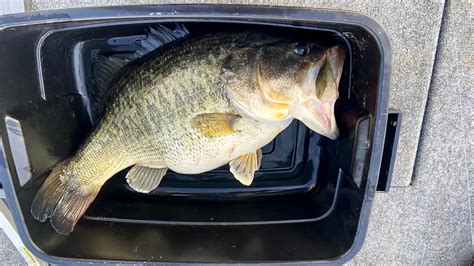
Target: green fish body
[{"x": 183, "y": 108}]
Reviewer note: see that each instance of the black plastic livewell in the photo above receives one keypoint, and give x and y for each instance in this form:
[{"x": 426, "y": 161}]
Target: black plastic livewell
[{"x": 309, "y": 202}]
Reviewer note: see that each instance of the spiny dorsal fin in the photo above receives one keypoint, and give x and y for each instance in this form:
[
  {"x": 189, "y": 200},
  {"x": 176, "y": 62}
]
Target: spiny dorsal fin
[
  {"x": 144, "y": 179},
  {"x": 161, "y": 35},
  {"x": 106, "y": 67},
  {"x": 215, "y": 125},
  {"x": 243, "y": 168}
]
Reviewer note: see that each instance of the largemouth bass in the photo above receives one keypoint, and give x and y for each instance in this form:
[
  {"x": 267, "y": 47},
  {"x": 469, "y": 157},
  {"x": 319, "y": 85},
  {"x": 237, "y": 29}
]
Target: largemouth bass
[{"x": 202, "y": 102}]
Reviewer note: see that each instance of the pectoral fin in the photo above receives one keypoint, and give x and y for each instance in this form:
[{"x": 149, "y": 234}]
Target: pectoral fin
[
  {"x": 244, "y": 167},
  {"x": 144, "y": 179},
  {"x": 215, "y": 125}
]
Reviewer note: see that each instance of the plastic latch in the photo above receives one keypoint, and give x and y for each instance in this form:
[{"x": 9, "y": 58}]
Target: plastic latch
[
  {"x": 361, "y": 148},
  {"x": 389, "y": 150},
  {"x": 2, "y": 192}
]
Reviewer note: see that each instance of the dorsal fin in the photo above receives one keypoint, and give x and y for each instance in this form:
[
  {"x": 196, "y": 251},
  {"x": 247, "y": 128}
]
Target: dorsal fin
[
  {"x": 105, "y": 67},
  {"x": 105, "y": 70}
]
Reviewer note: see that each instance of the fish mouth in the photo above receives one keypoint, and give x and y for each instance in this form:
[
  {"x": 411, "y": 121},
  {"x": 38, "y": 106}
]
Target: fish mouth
[
  {"x": 320, "y": 92},
  {"x": 319, "y": 117},
  {"x": 311, "y": 77}
]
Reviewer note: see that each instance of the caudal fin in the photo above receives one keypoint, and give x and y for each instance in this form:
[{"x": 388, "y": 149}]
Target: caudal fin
[{"x": 62, "y": 200}]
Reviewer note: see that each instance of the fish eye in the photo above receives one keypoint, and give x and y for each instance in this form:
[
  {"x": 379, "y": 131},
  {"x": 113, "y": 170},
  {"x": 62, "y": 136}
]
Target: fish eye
[{"x": 301, "y": 49}]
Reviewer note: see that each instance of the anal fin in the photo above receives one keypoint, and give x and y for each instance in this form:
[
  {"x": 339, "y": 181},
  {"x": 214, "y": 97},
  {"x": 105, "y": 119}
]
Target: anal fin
[
  {"x": 145, "y": 179},
  {"x": 244, "y": 167}
]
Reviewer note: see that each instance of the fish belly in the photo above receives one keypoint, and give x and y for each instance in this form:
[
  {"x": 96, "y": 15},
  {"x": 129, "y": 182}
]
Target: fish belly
[{"x": 212, "y": 153}]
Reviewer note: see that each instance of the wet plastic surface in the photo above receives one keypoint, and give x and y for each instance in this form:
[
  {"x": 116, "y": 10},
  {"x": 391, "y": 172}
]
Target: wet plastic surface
[{"x": 309, "y": 202}]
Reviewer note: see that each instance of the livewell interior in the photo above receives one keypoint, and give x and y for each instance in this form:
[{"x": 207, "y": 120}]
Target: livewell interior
[{"x": 304, "y": 176}]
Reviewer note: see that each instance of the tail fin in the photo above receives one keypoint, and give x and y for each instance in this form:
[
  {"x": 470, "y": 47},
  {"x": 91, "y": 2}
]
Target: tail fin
[{"x": 61, "y": 199}]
